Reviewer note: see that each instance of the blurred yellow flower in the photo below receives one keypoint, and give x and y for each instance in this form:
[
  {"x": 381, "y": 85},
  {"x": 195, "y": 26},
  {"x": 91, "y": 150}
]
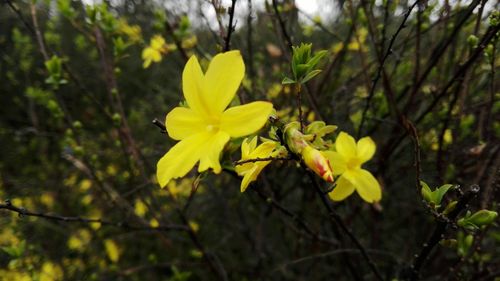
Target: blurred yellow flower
[
  {"x": 205, "y": 126},
  {"x": 250, "y": 150},
  {"x": 132, "y": 31},
  {"x": 153, "y": 53},
  {"x": 346, "y": 162}
]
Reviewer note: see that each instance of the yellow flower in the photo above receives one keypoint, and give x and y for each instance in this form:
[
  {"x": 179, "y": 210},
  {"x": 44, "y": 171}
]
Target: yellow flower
[
  {"x": 317, "y": 162},
  {"x": 132, "y": 31},
  {"x": 153, "y": 52},
  {"x": 206, "y": 125},
  {"x": 251, "y": 170},
  {"x": 346, "y": 162}
]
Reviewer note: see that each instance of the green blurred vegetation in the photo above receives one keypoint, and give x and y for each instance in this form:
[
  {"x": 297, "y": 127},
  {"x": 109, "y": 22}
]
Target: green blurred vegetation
[{"x": 76, "y": 140}]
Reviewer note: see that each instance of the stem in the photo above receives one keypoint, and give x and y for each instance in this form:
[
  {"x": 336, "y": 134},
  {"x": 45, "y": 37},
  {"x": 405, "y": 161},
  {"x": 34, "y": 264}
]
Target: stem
[
  {"x": 297, "y": 88},
  {"x": 230, "y": 28},
  {"x": 438, "y": 233},
  {"x": 23, "y": 212},
  {"x": 339, "y": 222}
]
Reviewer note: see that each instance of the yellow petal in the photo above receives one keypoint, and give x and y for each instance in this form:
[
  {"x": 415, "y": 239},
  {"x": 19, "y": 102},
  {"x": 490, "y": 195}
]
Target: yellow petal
[
  {"x": 366, "y": 185},
  {"x": 181, "y": 158},
  {"x": 146, "y": 63},
  {"x": 183, "y": 122},
  {"x": 346, "y": 145},
  {"x": 248, "y": 146},
  {"x": 251, "y": 170},
  {"x": 252, "y": 174},
  {"x": 245, "y": 119},
  {"x": 337, "y": 162},
  {"x": 248, "y": 177},
  {"x": 211, "y": 150},
  {"x": 157, "y": 42},
  {"x": 193, "y": 86},
  {"x": 343, "y": 189},
  {"x": 263, "y": 150},
  {"x": 223, "y": 78},
  {"x": 366, "y": 148}
]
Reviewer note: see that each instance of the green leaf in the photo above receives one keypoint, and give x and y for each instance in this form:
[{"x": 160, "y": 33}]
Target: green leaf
[
  {"x": 287, "y": 80},
  {"x": 483, "y": 217},
  {"x": 310, "y": 75},
  {"x": 440, "y": 192},
  {"x": 426, "y": 192},
  {"x": 316, "y": 58}
]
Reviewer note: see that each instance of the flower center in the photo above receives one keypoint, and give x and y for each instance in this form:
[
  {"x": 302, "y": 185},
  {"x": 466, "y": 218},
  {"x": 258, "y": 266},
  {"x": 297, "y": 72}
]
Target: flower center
[
  {"x": 212, "y": 128},
  {"x": 353, "y": 163}
]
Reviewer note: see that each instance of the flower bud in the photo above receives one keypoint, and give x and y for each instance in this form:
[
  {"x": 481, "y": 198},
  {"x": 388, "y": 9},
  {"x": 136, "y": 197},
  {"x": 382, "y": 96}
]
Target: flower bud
[
  {"x": 483, "y": 217},
  {"x": 294, "y": 139},
  {"x": 317, "y": 162}
]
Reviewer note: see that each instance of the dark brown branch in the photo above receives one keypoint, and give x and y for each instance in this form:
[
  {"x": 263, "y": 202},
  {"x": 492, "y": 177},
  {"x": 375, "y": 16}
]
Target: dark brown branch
[
  {"x": 339, "y": 222},
  {"x": 230, "y": 28},
  {"x": 160, "y": 125},
  {"x": 287, "y": 37},
  {"x": 301, "y": 223},
  {"x": 412, "y": 273},
  {"x": 381, "y": 66},
  {"x": 253, "y": 160},
  {"x": 487, "y": 38},
  {"x": 23, "y": 212},
  {"x": 177, "y": 42},
  {"x": 440, "y": 49}
]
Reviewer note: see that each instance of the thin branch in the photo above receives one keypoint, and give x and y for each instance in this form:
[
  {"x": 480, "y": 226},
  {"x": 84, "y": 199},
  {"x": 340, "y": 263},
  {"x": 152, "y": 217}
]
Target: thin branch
[
  {"x": 301, "y": 223},
  {"x": 339, "y": 222},
  {"x": 160, "y": 125},
  {"x": 287, "y": 37},
  {"x": 487, "y": 38},
  {"x": 253, "y": 160},
  {"x": 413, "y": 272},
  {"x": 334, "y": 252},
  {"x": 38, "y": 33},
  {"x": 381, "y": 66},
  {"x": 230, "y": 28},
  {"x": 170, "y": 30},
  {"x": 23, "y": 212}
]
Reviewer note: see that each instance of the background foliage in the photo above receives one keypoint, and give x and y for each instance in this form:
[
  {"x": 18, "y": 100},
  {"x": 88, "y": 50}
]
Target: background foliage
[{"x": 77, "y": 143}]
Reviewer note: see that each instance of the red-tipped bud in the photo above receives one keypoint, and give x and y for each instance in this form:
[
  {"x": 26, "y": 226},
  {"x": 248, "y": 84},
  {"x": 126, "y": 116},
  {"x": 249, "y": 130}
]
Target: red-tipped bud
[{"x": 317, "y": 162}]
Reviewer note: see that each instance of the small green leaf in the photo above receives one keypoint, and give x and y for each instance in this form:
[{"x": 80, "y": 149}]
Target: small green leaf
[
  {"x": 316, "y": 58},
  {"x": 440, "y": 192},
  {"x": 426, "y": 192},
  {"x": 483, "y": 217},
  {"x": 310, "y": 75},
  {"x": 287, "y": 80}
]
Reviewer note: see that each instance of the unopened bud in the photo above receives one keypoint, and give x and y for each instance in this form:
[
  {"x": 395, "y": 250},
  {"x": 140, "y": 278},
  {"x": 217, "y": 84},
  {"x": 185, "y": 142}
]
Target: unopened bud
[
  {"x": 317, "y": 162},
  {"x": 483, "y": 217},
  {"x": 294, "y": 139}
]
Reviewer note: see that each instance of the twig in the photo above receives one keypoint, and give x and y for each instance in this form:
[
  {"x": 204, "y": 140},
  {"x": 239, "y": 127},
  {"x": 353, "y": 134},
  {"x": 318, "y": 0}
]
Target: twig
[
  {"x": 339, "y": 222},
  {"x": 160, "y": 125},
  {"x": 39, "y": 36},
  {"x": 441, "y": 48},
  {"x": 287, "y": 37},
  {"x": 297, "y": 89},
  {"x": 381, "y": 66},
  {"x": 23, "y": 212},
  {"x": 301, "y": 223},
  {"x": 489, "y": 35},
  {"x": 230, "y": 28},
  {"x": 331, "y": 253},
  {"x": 253, "y": 160},
  {"x": 177, "y": 42},
  {"x": 413, "y": 272}
]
